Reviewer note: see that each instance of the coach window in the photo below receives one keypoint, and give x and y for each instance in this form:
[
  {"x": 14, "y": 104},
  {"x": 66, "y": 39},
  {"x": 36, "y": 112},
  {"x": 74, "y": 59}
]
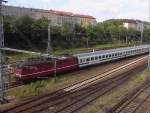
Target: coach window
[
  {"x": 99, "y": 57},
  {"x": 109, "y": 55},
  {"x": 139, "y": 50},
  {"x": 88, "y": 59},
  {"x": 103, "y": 56},
  {"x": 81, "y": 60},
  {"x": 106, "y": 56},
  {"x": 115, "y": 54},
  {"x": 96, "y": 57},
  {"x": 92, "y": 58}
]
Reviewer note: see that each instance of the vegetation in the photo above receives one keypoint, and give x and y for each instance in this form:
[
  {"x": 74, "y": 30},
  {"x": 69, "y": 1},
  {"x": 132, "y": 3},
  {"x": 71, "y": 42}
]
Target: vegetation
[{"x": 30, "y": 34}]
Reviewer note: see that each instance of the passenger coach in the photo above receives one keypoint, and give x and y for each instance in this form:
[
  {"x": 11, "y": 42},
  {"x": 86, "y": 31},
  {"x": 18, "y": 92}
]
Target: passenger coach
[{"x": 97, "y": 57}]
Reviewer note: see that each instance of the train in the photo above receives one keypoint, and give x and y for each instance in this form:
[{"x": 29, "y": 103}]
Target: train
[{"x": 44, "y": 66}]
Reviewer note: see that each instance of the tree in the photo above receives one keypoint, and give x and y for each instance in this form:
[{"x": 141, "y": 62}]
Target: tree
[
  {"x": 67, "y": 31},
  {"x": 9, "y": 31},
  {"x": 100, "y": 33},
  {"x": 90, "y": 34},
  {"x": 133, "y": 35},
  {"x": 114, "y": 33},
  {"x": 147, "y": 35},
  {"x": 122, "y": 34},
  {"x": 24, "y": 32},
  {"x": 40, "y": 33}
]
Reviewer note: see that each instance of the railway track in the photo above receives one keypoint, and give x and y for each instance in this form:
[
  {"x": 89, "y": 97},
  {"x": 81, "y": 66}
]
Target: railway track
[
  {"x": 75, "y": 94},
  {"x": 15, "y": 84},
  {"x": 133, "y": 101},
  {"x": 80, "y": 101}
]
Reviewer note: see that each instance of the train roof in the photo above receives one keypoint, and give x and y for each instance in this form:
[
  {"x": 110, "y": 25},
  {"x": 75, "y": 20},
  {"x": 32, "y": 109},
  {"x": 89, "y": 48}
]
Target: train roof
[{"x": 111, "y": 51}]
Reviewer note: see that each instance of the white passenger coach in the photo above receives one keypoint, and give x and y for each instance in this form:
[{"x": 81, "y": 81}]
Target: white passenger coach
[{"x": 97, "y": 57}]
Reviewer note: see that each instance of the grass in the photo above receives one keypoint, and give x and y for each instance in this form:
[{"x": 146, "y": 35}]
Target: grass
[
  {"x": 109, "y": 99},
  {"x": 42, "y": 86},
  {"x": 101, "y": 46}
]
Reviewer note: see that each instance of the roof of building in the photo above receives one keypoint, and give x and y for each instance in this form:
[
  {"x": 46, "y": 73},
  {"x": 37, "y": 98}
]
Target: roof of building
[
  {"x": 61, "y": 13},
  {"x": 134, "y": 21},
  {"x": 85, "y": 16},
  {"x": 64, "y": 13},
  {"x": 129, "y": 21}
]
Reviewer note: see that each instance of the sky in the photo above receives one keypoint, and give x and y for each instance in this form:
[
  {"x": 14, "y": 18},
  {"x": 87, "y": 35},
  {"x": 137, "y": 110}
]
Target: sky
[{"x": 100, "y": 9}]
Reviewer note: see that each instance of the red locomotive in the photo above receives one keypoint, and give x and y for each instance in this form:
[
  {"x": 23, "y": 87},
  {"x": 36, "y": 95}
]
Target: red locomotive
[{"x": 43, "y": 66}]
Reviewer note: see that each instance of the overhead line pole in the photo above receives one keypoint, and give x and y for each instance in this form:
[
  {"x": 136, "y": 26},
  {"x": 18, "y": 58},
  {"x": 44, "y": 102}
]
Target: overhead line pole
[
  {"x": 2, "y": 83},
  {"x": 49, "y": 49},
  {"x": 149, "y": 10},
  {"x": 142, "y": 30}
]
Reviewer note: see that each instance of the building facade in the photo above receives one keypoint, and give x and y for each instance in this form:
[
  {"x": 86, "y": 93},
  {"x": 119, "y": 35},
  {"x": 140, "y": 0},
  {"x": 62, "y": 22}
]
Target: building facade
[
  {"x": 57, "y": 18},
  {"x": 136, "y": 24}
]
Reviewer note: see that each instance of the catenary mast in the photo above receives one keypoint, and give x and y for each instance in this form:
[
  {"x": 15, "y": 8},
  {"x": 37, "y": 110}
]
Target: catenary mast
[{"x": 2, "y": 84}]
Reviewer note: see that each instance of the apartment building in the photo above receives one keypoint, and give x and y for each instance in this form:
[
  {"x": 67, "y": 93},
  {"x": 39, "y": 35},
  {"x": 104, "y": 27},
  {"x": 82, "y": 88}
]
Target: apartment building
[
  {"x": 57, "y": 18},
  {"x": 136, "y": 24}
]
